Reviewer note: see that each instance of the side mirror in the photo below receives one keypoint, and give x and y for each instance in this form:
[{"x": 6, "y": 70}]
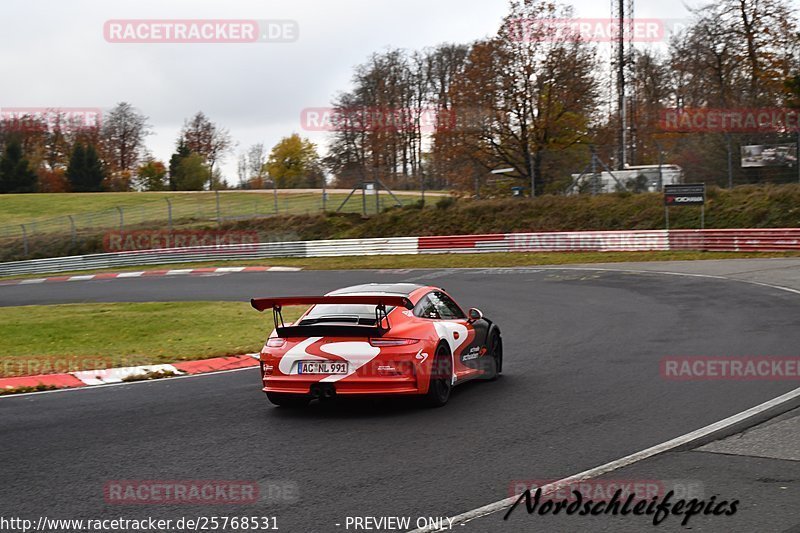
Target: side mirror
[{"x": 474, "y": 314}]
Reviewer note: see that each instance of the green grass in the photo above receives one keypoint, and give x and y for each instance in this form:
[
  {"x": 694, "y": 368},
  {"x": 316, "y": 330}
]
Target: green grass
[
  {"x": 21, "y": 208},
  {"x": 53, "y": 338},
  {"x": 151, "y": 207},
  {"x": 483, "y": 260}
]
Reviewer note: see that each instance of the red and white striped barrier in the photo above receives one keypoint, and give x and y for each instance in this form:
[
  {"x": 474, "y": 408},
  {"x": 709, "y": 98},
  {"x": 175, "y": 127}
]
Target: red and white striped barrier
[
  {"x": 576, "y": 241},
  {"x": 729, "y": 240},
  {"x": 736, "y": 240}
]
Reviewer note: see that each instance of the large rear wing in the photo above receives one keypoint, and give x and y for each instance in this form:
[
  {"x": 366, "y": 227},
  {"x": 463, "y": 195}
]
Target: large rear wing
[{"x": 380, "y": 301}]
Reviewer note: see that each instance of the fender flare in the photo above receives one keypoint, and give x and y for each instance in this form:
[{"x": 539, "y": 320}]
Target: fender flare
[
  {"x": 443, "y": 342},
  {"x": 493, "y": 328}
]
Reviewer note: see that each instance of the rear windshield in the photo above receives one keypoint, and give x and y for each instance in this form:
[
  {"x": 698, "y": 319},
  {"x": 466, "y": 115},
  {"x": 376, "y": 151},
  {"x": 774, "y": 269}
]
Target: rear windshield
[{"x": 358, "y": 313}]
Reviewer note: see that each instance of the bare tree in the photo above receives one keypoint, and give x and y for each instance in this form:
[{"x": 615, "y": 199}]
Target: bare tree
[
  {"x": 204, "y": 137},
  {"x": 123, "y": 134},
  {"x": 256, "y": 161}
]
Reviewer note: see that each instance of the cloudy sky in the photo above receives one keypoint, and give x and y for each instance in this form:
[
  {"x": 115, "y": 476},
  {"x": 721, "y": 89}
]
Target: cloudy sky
[{"x": 53, "y": 53}]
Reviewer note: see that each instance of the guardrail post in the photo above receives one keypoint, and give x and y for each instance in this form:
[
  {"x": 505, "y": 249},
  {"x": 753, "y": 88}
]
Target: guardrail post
[
  {"x": 72, "y": 229},
  {"x": 730, "y": 161},
  {"x": 169, "y": 214},
  {"x": 363, "y": 199},
  {"x": 219, "y": 219},
  {"x": 24, "y": 240}
]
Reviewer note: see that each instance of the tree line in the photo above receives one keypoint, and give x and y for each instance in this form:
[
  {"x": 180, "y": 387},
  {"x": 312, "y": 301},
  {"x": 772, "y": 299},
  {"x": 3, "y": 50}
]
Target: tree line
[
  {"x": 53, "y": 152},
  {"x": 541, "y": 105}
]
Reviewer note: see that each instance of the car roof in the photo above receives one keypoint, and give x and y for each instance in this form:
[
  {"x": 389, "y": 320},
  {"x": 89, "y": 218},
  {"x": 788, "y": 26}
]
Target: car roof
[{"x": 401, "y": 289}]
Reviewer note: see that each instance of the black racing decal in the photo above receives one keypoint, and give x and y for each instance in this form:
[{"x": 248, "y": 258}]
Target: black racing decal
[{"x": 472, "y": 353}]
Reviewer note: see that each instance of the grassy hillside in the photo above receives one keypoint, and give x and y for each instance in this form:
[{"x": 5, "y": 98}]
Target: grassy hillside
[
  {"x": 152, "y": 206},
  {"x": 744, "y": 207}
]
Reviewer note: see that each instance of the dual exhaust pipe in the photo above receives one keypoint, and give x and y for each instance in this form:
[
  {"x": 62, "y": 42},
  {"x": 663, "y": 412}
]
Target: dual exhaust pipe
[{"x": 325, "y": 391}]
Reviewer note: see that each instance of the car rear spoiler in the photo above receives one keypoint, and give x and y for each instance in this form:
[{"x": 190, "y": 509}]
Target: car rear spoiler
[
  {"x": 262, "y": 304},
  {"x": 380, "y": 301}
]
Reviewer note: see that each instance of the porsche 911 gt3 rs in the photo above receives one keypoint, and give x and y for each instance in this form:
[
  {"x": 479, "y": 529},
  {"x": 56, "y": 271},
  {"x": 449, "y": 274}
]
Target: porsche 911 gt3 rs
[{"x": 377, "y": 339}]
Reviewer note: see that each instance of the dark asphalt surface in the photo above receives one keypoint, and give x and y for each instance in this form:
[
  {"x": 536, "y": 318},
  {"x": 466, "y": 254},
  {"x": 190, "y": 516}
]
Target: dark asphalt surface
[
  {"x": 767, "y": 502},
  {"x": 581, "y": 388}
]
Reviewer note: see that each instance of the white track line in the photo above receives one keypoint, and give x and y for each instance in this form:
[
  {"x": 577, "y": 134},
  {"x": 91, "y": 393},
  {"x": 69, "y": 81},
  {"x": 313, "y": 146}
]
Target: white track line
[{"x": 624, "y": 461}]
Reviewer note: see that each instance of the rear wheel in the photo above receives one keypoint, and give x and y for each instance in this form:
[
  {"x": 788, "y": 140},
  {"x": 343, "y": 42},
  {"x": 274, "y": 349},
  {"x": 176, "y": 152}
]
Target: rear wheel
[
  {"x": 496, "y": 357},
  {"x": 288, "y": 400},
  {"x": 441, "y": 378}
]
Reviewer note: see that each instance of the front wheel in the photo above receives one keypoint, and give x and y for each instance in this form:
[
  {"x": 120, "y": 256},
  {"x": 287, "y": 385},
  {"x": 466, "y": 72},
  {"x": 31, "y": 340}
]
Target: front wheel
[
  {"x": 441, "y": 383},
  {"x": 288, "y": 400}
]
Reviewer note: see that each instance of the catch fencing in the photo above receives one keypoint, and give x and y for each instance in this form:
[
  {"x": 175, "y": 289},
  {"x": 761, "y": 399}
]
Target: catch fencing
[
  {"x": 187, "y": 210},
  {"x": 732, "y": 240}
]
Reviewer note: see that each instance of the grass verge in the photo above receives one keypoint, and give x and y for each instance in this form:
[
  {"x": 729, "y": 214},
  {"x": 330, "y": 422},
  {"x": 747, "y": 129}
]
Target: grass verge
[{"x": 45, "y": 339}]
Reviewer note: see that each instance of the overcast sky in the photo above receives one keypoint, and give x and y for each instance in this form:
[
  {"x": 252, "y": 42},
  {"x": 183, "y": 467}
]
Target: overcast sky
[{"x": 54, "y": 54}]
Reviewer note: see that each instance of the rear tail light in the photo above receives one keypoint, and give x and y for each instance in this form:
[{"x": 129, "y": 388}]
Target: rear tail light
[
  {"x": 275, "y": 342},
  {"x": 385, "y": 341}
]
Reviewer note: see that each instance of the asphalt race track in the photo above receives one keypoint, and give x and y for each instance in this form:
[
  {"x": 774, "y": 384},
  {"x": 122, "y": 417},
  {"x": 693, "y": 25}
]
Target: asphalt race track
[{"x": 581, "y": 387}]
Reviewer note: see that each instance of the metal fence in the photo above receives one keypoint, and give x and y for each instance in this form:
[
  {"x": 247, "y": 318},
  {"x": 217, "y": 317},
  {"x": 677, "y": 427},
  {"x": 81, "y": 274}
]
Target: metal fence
[{"x": 183, "y": 210}]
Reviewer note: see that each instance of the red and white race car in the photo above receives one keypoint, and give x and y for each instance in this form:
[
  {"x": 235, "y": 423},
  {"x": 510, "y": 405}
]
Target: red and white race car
[{"x": 376, "y": 339}]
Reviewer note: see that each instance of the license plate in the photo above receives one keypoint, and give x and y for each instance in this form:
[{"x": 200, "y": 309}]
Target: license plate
[{"x": 322, "y": 367}]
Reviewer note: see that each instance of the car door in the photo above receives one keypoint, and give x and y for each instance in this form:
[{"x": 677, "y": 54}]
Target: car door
[{"x": 468, "y": 349}]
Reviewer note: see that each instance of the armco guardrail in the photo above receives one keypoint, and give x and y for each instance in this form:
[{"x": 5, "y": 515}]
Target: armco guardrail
[
  {"x": 736, "y": 240},
  {"x": 598, "y": 241}
]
